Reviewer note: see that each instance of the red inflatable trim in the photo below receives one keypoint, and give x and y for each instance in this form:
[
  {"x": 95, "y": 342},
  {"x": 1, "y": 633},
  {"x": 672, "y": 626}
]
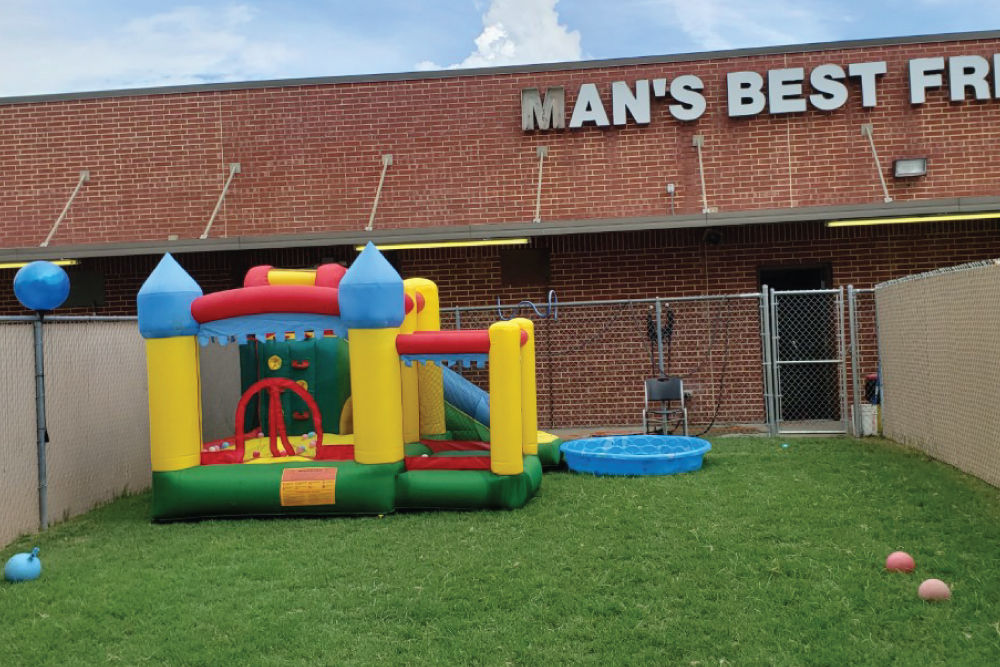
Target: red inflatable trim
[
  {"x": 265, "y": 299},
  {"x": 466, "y": 341},
  {"x": 335, "y": 453},
  {"x": 447, "y": 462},
  {"x": 456, "y": 445},
  {"x": 329, "y": 275},
  {"x": 257, "y": 276},
  {"x": 221, "y": 456}
]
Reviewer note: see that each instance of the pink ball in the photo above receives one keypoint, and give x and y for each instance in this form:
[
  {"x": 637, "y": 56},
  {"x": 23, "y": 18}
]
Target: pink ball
[
  {"x": 934, "y": 589},
  {"x": 900, "y": 561}
]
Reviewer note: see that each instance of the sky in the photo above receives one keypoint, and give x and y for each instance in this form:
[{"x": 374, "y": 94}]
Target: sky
[{"x": 50, "y": 46}]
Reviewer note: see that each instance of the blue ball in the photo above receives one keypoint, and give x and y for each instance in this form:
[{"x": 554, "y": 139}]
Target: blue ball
[
  {"x": 23, "y": 567},
  {"x": 41, "y": 286}
]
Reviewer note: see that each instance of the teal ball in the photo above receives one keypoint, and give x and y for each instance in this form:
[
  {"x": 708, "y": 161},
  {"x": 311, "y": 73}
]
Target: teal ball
[{"x": 23, "y": 567}]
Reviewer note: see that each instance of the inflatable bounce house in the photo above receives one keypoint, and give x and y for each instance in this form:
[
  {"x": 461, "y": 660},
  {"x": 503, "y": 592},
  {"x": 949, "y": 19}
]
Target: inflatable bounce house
[{"x": 348, "y": 404}]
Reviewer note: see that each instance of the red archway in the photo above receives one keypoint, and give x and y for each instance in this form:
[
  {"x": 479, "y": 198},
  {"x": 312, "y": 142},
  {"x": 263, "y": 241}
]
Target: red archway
[{"x": 276, "y": 418}]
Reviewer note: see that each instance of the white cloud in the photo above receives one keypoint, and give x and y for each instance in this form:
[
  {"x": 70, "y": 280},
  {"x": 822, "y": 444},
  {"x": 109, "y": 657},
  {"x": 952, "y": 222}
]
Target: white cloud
[
  {"x": 727, "y": 24},
  {"x": 184, "y": 45},
  {"x": 517, "y": 32}
]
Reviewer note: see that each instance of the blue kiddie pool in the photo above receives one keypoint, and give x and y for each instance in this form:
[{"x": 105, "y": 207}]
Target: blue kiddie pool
[{"x": 635, "y": 454}]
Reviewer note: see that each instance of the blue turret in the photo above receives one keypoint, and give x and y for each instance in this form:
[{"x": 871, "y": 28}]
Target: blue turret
[
  {"x": 164, "y": 301},
  {"x": 371, "y": 293}
]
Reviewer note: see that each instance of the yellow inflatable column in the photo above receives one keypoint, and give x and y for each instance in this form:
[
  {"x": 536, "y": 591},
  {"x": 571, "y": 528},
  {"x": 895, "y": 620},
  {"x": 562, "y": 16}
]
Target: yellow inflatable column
[
  {"x": 371, "y": 299},
  {"x": 505, "y": 399},
  {"x": 375, "y": 390},
  {"x": 432, "y": 421},
  {"x": 164, "y": 309},
  {"x": 408, "y": 375},
  {"x": 529, "y": 399},
  {"x": 174, "y": 402}
]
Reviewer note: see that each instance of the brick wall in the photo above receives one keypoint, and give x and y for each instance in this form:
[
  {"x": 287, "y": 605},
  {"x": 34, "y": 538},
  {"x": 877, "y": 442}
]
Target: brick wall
[
  {"x": 310, "y": 154},
  {"x": 310, "y": 159}
]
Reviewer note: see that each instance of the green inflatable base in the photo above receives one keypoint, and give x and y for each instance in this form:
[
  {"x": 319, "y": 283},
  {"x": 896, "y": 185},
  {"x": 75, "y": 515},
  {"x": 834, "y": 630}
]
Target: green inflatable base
[
  {"x": 549, "y": 454},
  {"x": 467, "y": 489},
  {"x": 330, "y": 488}
]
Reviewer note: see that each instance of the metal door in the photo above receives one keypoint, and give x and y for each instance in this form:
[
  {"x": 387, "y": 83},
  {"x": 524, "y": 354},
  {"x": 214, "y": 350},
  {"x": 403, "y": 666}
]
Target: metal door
[{"x": 808, "y": 369}]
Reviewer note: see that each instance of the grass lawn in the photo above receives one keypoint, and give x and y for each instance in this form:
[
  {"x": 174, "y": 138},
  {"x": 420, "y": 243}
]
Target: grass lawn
[{"x": 767, "y": 555}]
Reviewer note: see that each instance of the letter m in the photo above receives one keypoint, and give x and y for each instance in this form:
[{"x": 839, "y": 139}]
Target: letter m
[{"x": 539, "y": 115}]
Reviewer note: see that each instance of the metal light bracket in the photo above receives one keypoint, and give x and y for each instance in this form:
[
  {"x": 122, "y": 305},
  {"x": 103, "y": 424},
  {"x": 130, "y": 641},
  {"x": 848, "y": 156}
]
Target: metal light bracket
[
  {"x": 386, "y": 163},
  {"x": 234, "y": 168},
  {"x": 84, "y": 177}
]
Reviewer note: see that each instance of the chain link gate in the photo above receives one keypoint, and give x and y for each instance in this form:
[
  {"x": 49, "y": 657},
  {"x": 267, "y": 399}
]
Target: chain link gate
[{"x": 806, "y": 382}]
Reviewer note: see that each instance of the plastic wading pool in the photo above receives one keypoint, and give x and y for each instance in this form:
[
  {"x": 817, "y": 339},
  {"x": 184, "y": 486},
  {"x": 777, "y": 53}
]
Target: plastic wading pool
[{"x": 635, "y": 454}]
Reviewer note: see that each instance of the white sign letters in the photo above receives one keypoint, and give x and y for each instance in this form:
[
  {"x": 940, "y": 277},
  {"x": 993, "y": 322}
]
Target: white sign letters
[{"x": 789, "y": 90}]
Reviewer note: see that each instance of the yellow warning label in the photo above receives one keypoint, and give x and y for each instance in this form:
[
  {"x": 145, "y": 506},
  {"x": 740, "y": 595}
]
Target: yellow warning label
[{"x": 308, "y": 486}]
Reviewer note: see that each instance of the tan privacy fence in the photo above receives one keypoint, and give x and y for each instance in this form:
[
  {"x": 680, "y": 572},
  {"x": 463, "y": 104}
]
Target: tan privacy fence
[
  {"x": 96, "y": 408},
  {"x": 939, "y": 340},
  {"x": 18, "y": 465}
]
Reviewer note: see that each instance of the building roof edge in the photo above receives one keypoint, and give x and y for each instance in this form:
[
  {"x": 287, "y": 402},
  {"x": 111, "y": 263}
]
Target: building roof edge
[
  {"x": 509, "y": 229},
  {"x": 507, "y": 69}
]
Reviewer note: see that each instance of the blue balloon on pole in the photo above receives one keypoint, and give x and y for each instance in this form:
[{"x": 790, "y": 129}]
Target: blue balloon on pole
[
  {"x": 23, "y": 567},
  {"x": 41, "y": 286}
]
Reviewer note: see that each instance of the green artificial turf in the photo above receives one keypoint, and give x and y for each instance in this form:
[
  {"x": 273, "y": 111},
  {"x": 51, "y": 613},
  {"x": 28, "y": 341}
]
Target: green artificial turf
[{"x": 766, "y": 556}]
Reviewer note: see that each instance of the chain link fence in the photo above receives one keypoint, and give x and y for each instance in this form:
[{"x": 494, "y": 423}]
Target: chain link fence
[
  {"x": 864, "y": 392},
  {"x": 592, "y": 357},
  {"x": 809, "y": 376},
  {"x": 940, "y": 357},
  {"x": 592, "y": 360}
]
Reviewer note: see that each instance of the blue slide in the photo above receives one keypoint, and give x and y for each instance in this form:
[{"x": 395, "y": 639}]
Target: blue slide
[
  {"x": 475, "y": 402},
  {"x": 466, "y": 396}
]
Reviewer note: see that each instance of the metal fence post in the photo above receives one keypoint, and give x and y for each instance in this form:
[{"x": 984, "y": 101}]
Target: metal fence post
[
  {"x": 855, "y": 372},
  {"x": 844, "y": 418},
  {"x": 765, "y": 341},
  {"x": 775, "y": 344},
  {"x": 659, "y": 336},
  {"x": 881, "y": 408},
  {"x": 43, "y": 510}
]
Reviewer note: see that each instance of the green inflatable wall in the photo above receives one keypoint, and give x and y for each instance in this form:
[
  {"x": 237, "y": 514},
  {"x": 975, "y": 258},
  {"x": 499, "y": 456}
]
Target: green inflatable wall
[{"x": 321, "y": 365}]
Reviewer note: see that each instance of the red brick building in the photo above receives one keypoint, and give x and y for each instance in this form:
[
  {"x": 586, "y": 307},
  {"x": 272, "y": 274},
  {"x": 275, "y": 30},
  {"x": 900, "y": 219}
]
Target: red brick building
[{"x": 761, "y": 148}]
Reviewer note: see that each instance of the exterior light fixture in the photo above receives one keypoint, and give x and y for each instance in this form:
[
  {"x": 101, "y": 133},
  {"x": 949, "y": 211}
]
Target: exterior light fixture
[
  {"x": 444, "y": 244},
  {"x": 57, "y": 262},
  {"x": 911, "y": 219},
  {"x": 909, "y": 167}
]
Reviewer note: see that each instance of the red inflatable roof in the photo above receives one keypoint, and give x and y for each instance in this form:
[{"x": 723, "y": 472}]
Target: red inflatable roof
[
  {"x": 261, "y": 299},
  {"x": 265, "y": 299}
]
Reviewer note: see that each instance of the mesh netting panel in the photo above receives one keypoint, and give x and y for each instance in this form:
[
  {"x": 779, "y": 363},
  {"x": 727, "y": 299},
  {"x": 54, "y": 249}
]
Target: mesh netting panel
[
  {"x": 18, "y": 457},
  {"x": 592, "y": 359},
  {"x": 97, "y": 414},
  {"x": 941, "y": 366},
  {"x": 220, "y": 390}
]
